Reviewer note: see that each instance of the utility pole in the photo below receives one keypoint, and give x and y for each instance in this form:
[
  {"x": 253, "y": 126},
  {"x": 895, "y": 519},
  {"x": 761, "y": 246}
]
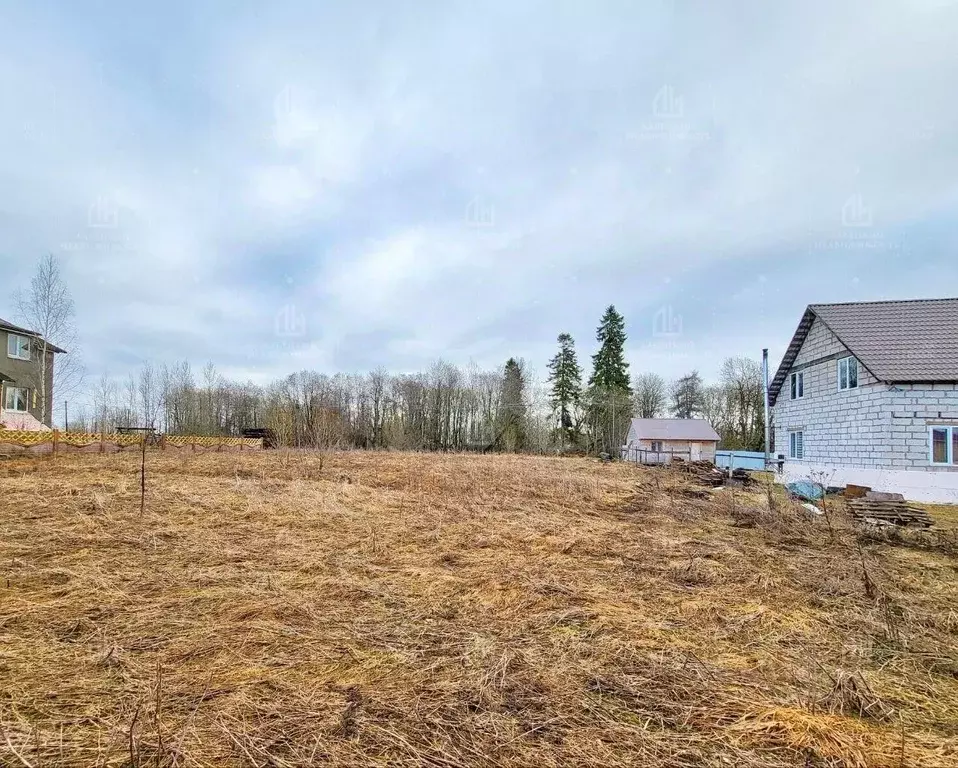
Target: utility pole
[
  {"x": 765, "y": 401},
  {"x": 611, "y": 447}
]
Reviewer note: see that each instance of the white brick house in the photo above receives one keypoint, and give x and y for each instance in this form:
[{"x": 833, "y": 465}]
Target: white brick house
[{"x": 867, "y": 393}]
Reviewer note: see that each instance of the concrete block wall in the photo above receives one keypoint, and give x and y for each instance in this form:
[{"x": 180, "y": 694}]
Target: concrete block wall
[
  {"x": 849, "y": 426},
  {"x": 873, "y": 426},
  {"x": 913, "y": 410}
]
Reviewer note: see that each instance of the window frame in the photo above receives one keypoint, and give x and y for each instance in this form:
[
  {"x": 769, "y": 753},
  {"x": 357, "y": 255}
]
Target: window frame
[
  {"x": 796, "y": 445},
  {"x": 11, "y": 338},
  {"x": 951, "y": 443},
  {"x": 796, "y": 385},
  {"x": 848, "y": 385},
  {"x": 7, "y": 389},
  {"x": 656, "y": 443}
]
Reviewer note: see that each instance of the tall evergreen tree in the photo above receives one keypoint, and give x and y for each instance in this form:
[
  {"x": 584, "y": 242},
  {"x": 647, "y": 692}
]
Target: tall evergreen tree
[
  {"x": 610, "y": 370},
  {"x": 610, "y": 394},
  {"x": 512, "y": 408},
  {"x": 688, "y": 396},
  {"x": 565, "y": 376}
]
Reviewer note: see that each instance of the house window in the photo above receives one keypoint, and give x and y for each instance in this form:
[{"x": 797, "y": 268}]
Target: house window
[
  {"x": 18, "y": 346},
  {"x": 16, "y": 398},
  {"x": 796, "y": 445},
  {"x": 847, "y": 373},
  {"x": 798, "y": 386},
  {"x": 944, "y": 445},
  {"x": 656, "y": 446}
]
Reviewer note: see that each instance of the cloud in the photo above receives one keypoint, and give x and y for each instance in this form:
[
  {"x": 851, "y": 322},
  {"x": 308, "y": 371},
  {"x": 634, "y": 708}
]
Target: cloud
[{"x": 466, "y": 183}]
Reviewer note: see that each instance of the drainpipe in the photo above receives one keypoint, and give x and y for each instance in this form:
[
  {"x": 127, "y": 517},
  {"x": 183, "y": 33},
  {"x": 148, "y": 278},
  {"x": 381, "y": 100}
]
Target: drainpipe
[{"x": 765, "y": 398}]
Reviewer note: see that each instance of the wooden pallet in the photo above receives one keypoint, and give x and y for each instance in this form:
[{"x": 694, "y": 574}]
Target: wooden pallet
[{"x": 889, "y": 512}]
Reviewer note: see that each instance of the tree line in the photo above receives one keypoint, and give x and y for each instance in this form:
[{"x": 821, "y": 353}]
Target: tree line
[
  {"x": 595, "y": 416},
  {"x": 445, "y": 408}
]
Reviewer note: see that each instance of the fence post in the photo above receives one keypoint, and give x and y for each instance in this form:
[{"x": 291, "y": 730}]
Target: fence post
[
  {"x": 56, "y": 440},
  {"x": 102, "y": 441}
]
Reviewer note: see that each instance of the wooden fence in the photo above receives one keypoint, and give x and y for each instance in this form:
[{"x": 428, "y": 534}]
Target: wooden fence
[{"x": 55, "y": 441}]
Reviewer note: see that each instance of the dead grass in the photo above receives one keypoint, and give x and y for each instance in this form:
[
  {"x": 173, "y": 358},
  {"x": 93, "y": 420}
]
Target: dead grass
[
  {"x": 945, "y": 515},
  {"x": 277, "y": 609}
]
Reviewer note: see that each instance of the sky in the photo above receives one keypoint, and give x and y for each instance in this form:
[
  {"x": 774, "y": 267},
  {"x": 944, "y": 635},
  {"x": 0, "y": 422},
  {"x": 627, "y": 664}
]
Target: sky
[{"x": 347, "y": 186}]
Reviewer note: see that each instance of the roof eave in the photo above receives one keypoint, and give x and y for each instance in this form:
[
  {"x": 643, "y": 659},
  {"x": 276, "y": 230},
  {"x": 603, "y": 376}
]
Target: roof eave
[
  {"x": 11, "y": 328},
  {"x": 791, "y": 352}
]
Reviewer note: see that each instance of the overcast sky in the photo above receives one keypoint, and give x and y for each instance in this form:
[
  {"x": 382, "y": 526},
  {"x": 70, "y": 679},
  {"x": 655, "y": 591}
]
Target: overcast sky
[{"x": 341, "y": 186}]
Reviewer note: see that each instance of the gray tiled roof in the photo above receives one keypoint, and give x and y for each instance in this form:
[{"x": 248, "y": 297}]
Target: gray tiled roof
[
  {"x": 898, "y": 341},
  {"x": 673, "y": 429}
]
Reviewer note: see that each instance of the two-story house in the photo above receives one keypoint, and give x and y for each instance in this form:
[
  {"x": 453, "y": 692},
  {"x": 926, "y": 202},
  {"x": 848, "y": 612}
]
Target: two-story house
[
  {"x": 21, "y": 372},
  {"x": 867, "y": 393}
]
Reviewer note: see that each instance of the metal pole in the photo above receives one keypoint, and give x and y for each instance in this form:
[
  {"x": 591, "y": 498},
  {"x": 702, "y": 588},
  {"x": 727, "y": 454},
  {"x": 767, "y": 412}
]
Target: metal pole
[
  {"x": 66, "y": 417},
  {"x": 765, "y": 401}
]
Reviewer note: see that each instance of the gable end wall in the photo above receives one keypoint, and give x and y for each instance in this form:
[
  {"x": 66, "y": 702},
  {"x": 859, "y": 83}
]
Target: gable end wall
[{"x": 874, "y": 426}]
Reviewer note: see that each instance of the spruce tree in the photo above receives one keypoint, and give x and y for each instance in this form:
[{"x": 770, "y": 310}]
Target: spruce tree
[
  {"x": 610, "y": 370},
  {"x": 610, "y": 393},
  {"x": 565, "y": 375},
  {"x": 512, "y": 409},
  {"x": 687, "y": 396}
]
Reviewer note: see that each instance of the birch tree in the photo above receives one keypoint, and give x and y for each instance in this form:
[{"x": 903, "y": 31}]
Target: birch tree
[{"x": 47, "y": 310}]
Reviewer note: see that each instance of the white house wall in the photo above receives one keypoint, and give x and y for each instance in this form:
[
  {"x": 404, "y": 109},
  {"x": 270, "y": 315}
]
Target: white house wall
[
  {"x": 913, "y": 484},
  {"x": 851, "y": 426},
  {"x": 875, "y": 434}
]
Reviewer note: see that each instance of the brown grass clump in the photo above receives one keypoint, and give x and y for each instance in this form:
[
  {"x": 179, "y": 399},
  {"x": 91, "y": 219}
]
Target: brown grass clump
[{"x": 294, "y": 609}]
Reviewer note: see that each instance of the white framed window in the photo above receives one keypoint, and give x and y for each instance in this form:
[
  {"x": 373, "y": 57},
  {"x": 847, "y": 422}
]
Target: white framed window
[
  {"x": 656, "y": 446},
  {"x": 943, "y": 445},
  {"x": 797, "y": 385},
  {"x": 16, "y": 398},
  {"x": 847, "y": 373},
  {"x": 18, "y": 346},
  {"x": 796, "y": 445}
]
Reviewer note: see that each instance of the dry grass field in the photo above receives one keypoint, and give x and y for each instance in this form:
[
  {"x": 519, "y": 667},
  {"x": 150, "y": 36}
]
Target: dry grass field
[{"x": 276, "y": 609}]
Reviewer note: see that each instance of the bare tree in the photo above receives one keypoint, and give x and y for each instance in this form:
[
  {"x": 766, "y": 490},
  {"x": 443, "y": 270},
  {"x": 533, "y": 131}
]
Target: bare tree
[
  {"x": 714, "y": 407},
  {"x": 650, "y": 398},
  {"x": 104, "y": 404},
  {"x": 130, "y": 409},
  {"x": 47, "y": 310},
  {"x": 148, "y": 389},
  {"x": 742, "y": 381},
  {"x": 443, "y": 408}
]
